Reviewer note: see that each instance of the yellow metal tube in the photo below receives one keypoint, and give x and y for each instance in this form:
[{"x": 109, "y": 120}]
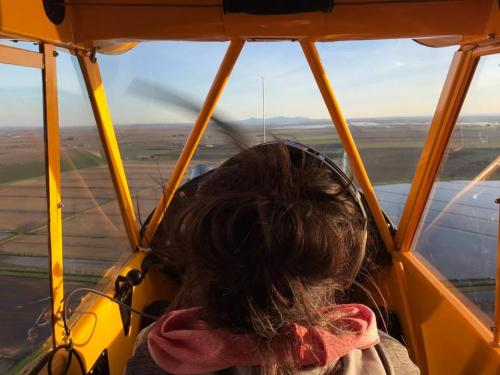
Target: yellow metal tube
[
  {"x": 448, "y": 108},
  {"x": 496, "y": 333},
  {"x": 199, "y": 127},
  {"x": 21, "y": 57},
  {"x": 487, "y": 49},
  {"x": 97, "y": 95},
  {"x": 53, "y": 187},
  {"x": 345, "y": 136}
]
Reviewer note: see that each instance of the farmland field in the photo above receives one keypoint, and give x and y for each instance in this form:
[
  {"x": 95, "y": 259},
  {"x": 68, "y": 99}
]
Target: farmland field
[{"x": 94, "y": 237}]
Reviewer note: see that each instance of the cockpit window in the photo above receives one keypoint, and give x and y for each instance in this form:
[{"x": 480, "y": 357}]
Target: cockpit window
[
  {"x": 143, "y": 88},
  {"x": 388, "y": 91},
  {"x": 154, "y": 107},
  {"x": 24, "y": 293},
  {"x": 94, "y": 236},
  {"x": 20, "y": 44},
  {"x": 458, "y": 234}
]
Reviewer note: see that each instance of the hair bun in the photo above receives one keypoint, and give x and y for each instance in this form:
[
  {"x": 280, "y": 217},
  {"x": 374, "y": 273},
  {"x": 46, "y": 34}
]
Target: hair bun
[{"x": 270, "y": 236}]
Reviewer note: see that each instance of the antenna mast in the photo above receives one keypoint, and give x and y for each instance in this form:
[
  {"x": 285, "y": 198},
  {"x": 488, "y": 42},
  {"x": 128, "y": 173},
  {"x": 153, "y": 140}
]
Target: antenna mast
[{"x": 263, "y": 110}]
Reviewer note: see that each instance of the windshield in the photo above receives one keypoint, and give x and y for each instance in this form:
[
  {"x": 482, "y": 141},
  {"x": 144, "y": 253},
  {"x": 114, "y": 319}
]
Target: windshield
[{"x": 388, "y": 91}]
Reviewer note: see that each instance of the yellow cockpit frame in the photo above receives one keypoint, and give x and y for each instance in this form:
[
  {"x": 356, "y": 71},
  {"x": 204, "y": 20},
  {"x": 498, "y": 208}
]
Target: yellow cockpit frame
[{"x": 443, "y": 335}]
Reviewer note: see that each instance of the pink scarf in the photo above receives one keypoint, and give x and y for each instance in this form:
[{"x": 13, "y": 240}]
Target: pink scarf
[{"x": 181, "y": 343}]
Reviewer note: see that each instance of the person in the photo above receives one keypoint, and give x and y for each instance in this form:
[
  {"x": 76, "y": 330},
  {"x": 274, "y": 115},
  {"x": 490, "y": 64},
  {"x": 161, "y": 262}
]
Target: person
[{"x": 266, "y": 250}]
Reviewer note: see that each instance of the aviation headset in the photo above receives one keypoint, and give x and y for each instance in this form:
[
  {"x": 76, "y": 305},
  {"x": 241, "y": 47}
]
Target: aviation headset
[{"x": 337, "y": 175}]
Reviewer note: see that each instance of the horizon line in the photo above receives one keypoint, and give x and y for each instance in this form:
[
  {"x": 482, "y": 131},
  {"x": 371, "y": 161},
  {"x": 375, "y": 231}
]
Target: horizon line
[{"x": 259, "y": 120}]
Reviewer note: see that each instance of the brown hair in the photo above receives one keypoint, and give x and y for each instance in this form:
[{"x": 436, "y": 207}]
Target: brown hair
[{"x": 271, "y": 238}]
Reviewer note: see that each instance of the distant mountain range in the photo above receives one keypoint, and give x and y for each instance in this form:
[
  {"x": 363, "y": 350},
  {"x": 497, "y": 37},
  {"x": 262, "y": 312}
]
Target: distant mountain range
[
  {"x": 282, "y": 120},
  {"x": 393, "y": 120}
]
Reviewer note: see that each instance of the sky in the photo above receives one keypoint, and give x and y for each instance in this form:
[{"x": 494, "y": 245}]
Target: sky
[{"x": 370, "y": 78}]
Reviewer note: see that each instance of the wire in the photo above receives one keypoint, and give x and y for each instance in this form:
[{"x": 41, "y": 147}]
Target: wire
[
  {"x": 71, "y": 352},
  {"x": 122, "y": 304},
  {"x": 69, "y": 347}
]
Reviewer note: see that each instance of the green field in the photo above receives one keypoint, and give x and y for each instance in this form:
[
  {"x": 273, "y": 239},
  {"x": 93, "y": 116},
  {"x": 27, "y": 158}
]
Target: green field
[{"x": 34, "y": 168}]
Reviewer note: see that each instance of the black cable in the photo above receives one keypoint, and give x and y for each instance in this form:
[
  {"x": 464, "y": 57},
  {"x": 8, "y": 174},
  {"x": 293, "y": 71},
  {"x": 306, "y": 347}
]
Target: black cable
[
  {"x": 71, "y": 353},
  {"x": 51, "y": 358},
  {"x": 68, "y": 362},
  {"x": 69, "y": 347},
  {"x": 80, "y": 361}
]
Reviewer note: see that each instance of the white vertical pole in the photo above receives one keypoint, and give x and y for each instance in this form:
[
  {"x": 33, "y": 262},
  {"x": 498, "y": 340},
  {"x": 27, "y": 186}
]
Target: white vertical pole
[{"x": 263, "y": 110}]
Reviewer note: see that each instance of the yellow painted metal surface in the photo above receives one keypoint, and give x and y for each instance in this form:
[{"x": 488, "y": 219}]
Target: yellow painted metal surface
[
  {"x": 97, "y": 95},
  {"x": 410, "y": 326},
  {"x": 348, "y": 20},
  {"x": 16, "y": 56},
  {"x": 454, "y": 339},
  {"x": 448, "y": 108},
  {"x": 53, "y": 186},
  {"x": 88, "y": 24},
  {"x": 27, "y": 20},
  {"x": 99, "y": 326},
  {"x": 487, "y": 48},
  {"x": 199, "y": 127},
  {"x": 354, "y": 19}
]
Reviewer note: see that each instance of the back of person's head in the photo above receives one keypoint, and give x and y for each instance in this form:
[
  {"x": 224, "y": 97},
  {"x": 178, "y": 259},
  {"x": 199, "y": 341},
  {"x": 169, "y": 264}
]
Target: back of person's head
[{"x": 271, "y": 238}]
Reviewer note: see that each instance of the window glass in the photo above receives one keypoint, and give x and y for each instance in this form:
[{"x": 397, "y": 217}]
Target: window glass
[
  {"x": 21, "y": 44},
  {"x": 94, "y": 236},
  {"x": 267, "y": 99},
  {"x": 154, "y": 120},
  {"x": 458, "y": 235},
  {"x": 388, "y": 91},
  {"x": 24, "y": 292},
  {"x": 152, "y": 125}
]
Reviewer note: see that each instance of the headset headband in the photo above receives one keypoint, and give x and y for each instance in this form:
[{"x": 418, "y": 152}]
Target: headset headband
[{"x": 337, "y": 173}]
